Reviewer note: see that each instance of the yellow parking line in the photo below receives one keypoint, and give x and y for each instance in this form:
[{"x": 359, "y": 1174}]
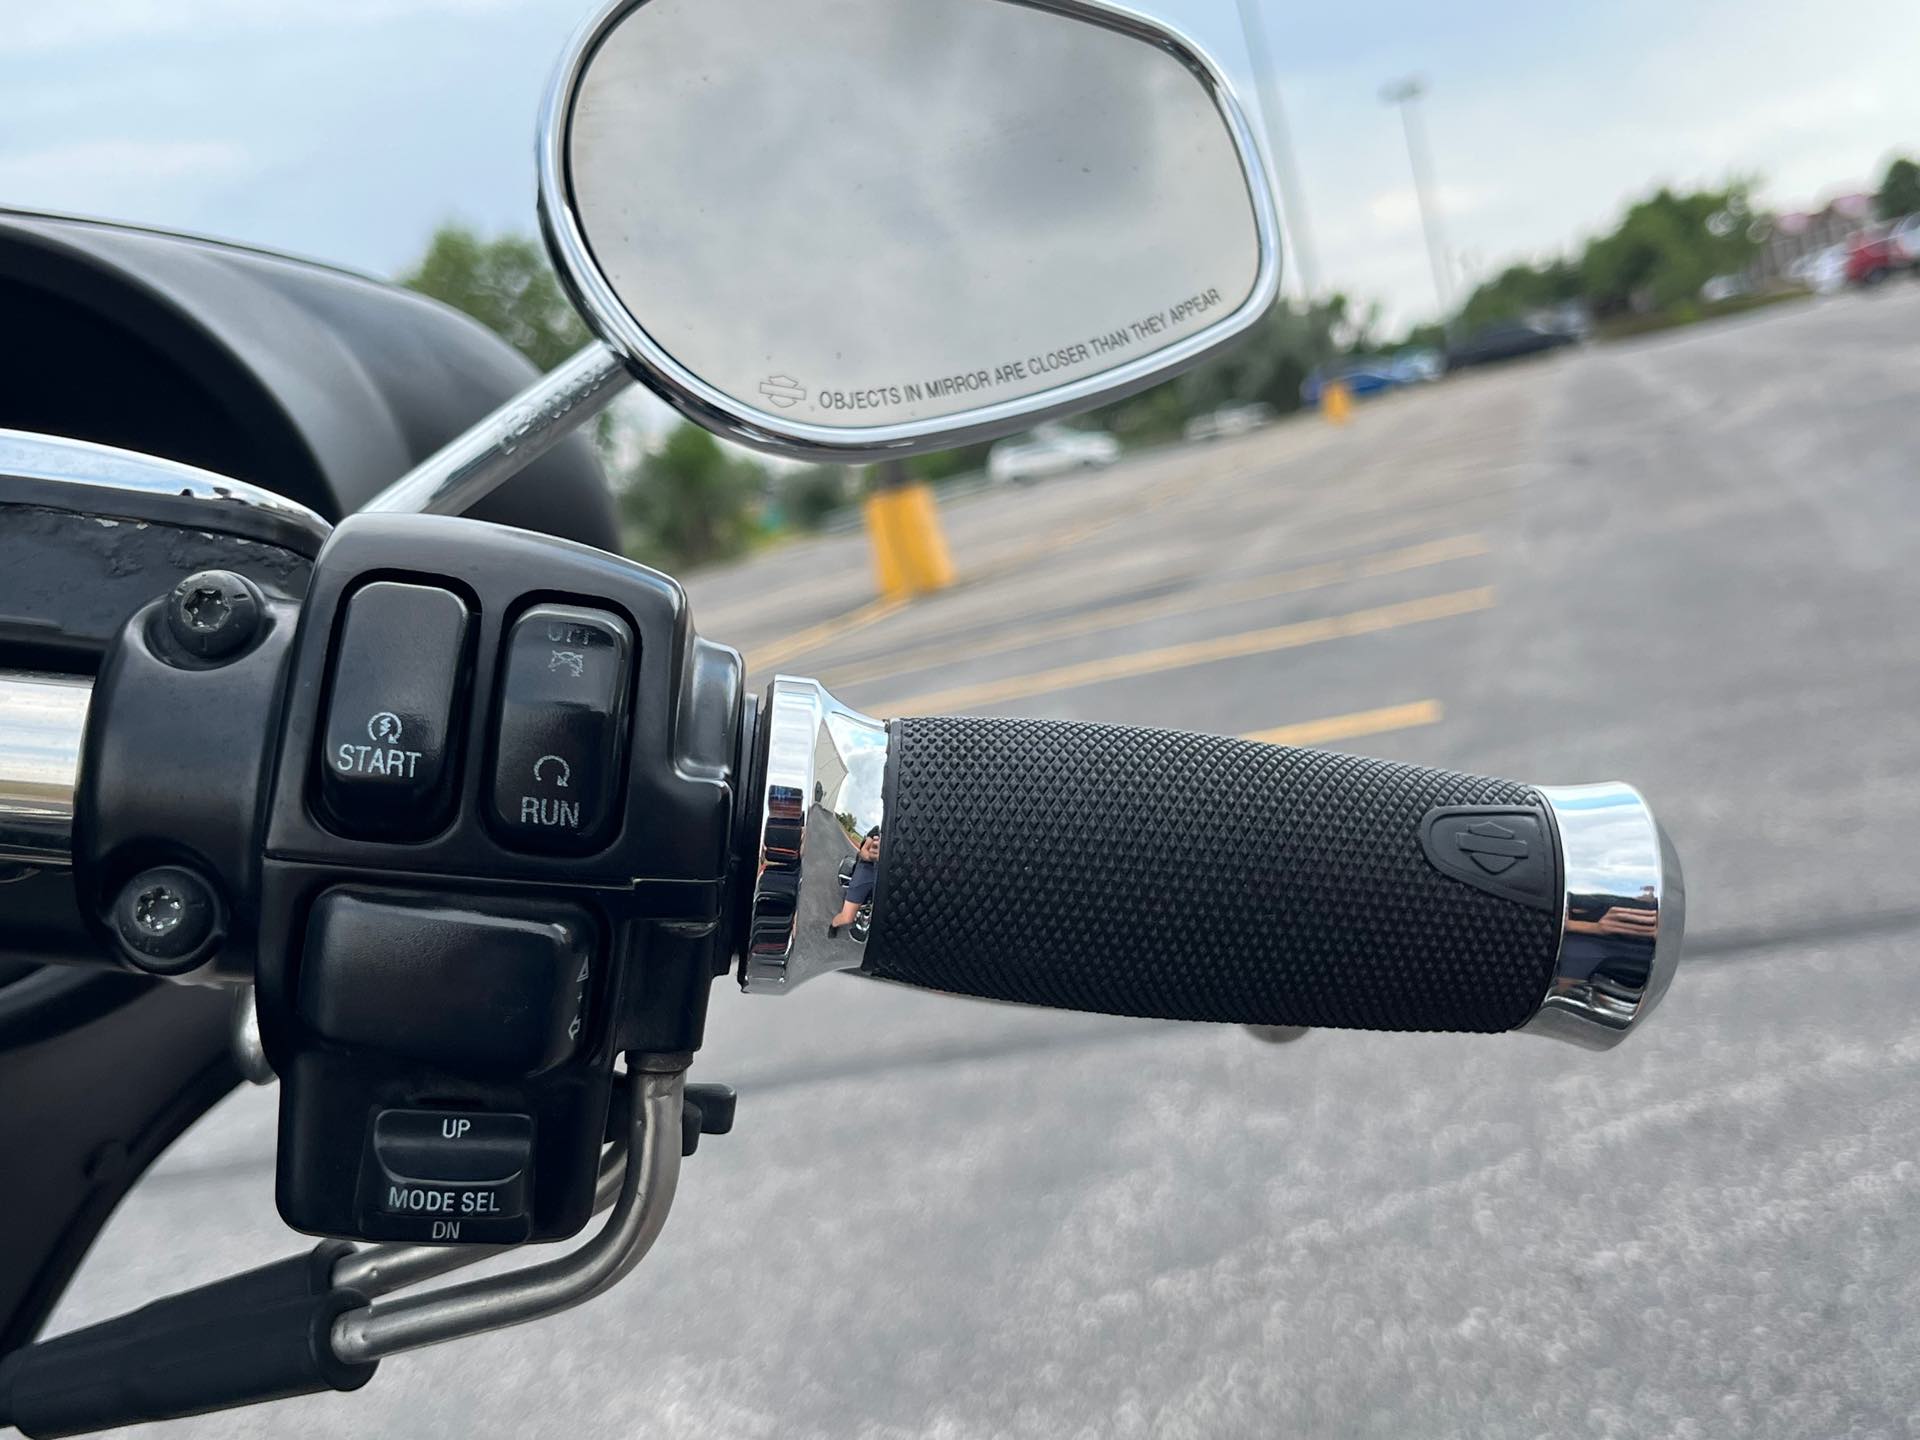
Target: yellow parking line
[
  {"x": 1352, "y": 727},
  {"x": 785, "y": 648},
  {"x": 1195, "y": 652},
  {"x": 993, "y": 566},
  {"x": 1112, "y": 617},
  {"x": 779, "y": 651}
]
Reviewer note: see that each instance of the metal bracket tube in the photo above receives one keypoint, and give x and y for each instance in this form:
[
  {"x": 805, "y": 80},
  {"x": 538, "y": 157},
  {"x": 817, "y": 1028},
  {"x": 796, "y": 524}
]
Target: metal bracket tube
[
  {"x": 518, "y": 433},
  {"x": 646, "y": 1195},
  {"x": 376, "y": 1270},
  {"x": 248, "y": 1051}
]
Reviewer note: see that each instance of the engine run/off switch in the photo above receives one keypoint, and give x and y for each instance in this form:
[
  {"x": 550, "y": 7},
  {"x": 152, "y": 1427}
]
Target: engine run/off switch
[
  {"x": 561, "y": 729},
  {"x": 386, "y": 749}
]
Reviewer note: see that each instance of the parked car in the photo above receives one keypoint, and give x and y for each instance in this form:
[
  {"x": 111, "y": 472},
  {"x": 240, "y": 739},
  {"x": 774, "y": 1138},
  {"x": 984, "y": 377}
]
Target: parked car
[
  {"x": 1050, "y": 450},
  {"x": 1227, "y": 422},
  {"x": 1906, "y": 240},
  {"x": 1570, "y": 317},
  {"x": 1419, "y": 364},
  {"x": 1823, "y": 272},
  {"x": 1369, "y": 376},
  {"x": 1507, "y": 340},
  {"x": 1726, "y": 287},
  {"x": 1873, "y": 255}
]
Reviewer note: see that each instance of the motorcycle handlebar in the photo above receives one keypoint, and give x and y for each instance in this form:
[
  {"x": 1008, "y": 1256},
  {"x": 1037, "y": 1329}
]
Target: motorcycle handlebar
[
  {"x": 43, "y": 721},
  {"x": 1193, "y": 877},
  {"x": 1147, "y": 872}
]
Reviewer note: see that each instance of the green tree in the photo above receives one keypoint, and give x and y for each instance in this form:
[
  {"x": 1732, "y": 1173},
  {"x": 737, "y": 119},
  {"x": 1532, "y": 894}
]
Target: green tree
[
  {"x": 692, "y": 502},
  {"x": 1899, "y": 189},
  {"x": 507, "y": 285},
  {"x": 1150, "y": 416},
  {"x": 939, "y": 464},
  {"x": 1431, "y": 336},
  {"x": 807, "y": 496},
  {"x": 1669, "y": 245},
  {"x": 1519, "y": 291},
  {"x": 1265, "y": 366}
]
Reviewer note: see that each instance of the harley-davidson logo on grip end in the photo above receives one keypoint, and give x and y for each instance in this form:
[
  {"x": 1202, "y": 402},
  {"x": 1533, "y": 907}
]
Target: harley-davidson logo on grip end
[
  {"x": 1503, "y": 850},
  {"x": 1493, "y": 847}
]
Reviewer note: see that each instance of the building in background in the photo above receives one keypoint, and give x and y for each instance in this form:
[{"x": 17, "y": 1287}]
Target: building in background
[{"x": 1798, "y": 235}]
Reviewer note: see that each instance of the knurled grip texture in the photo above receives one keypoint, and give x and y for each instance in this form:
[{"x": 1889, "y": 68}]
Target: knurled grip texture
[{"x": 1193, "y": 877}]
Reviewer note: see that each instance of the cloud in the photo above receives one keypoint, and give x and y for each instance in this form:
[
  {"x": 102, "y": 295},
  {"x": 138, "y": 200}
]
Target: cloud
[
  {"x": 1396, "y": 211},
  {"x": 85, "y": 167},
  {"x": 1545, "y": 122},
  {"x": 363, "y": 121},
  {"x": 40, "y": 26}
]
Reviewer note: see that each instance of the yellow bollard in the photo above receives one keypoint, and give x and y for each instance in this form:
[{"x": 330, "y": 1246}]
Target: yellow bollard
[
  {"x": 889, "y": 570},
  {"x": 909, "y": 551},
  {"x": 1336, "y": 402}
]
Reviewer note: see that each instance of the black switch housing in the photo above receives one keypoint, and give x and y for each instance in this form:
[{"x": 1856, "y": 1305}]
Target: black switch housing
[
  {"x": 561, "y": 730},
  {"x": 386, "y": 761},
  {"x": 668, "y": 726}
]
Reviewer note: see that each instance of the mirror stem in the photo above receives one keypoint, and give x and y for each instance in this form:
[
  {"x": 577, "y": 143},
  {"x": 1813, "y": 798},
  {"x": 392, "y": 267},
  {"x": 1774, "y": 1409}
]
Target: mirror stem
[{"x": 457, "y": 475}]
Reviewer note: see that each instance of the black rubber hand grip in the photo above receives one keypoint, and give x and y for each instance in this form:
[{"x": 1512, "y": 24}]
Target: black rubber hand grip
[
  {"x": 262, "y": 1335},
  {"x": 1158, "y": 873}
]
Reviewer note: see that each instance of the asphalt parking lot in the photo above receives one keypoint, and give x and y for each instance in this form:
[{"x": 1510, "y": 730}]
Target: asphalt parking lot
[{"x": 1689, "y": 562}]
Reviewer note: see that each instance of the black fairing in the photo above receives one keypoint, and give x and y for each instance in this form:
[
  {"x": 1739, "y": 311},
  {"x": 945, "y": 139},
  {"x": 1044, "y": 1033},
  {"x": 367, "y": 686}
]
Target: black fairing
[
  {"x": 314, "y": 382},
  {"x": 317, "y": 383}
]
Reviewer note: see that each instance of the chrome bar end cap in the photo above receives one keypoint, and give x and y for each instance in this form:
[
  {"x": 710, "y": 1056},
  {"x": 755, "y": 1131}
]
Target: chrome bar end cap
[
  {"x": 1623, "y": 916},
  {"x": 820, "y": 804}
]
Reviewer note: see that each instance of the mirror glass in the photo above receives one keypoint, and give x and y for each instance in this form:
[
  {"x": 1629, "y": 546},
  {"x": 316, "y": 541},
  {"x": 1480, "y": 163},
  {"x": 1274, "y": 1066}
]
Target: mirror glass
[{"x": 847, "y": 214}]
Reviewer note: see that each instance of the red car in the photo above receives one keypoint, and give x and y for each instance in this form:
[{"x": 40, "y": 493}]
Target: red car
[{"x": 1873, "y": 256}]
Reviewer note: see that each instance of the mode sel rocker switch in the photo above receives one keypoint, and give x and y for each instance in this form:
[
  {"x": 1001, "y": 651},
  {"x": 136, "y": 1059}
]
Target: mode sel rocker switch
[
  {"x": 447, "y": 1175},
  {"x": 386, "y": 761},
  {"x": 562, "y": 725}
]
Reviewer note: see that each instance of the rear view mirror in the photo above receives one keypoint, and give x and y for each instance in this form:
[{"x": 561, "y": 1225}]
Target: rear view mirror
[{"x": 853, "y": 228}]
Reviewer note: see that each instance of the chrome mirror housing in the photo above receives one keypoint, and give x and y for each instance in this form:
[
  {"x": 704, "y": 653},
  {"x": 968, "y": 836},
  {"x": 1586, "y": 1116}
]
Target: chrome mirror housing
[{"x": 859, "y": 228}]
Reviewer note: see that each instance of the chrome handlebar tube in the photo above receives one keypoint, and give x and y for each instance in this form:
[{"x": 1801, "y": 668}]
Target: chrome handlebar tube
[{"x": 43, "y": 722}]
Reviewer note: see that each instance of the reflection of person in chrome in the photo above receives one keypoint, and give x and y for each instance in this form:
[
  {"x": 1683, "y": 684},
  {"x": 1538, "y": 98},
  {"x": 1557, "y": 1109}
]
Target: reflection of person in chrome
[
  {"x": 859, "y": 883},
  {"x": 1641, "y": 918}
]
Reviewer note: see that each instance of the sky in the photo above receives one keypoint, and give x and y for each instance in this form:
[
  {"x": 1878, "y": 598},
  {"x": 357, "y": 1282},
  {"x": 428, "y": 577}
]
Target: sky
[{"x": 347, "y": 129}]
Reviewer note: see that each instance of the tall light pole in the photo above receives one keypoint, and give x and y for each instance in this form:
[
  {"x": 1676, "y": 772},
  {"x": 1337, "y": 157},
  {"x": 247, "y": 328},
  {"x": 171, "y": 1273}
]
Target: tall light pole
[
  {"x": 1406, "y": 94},
  {"x": 1287, "y": 172}
]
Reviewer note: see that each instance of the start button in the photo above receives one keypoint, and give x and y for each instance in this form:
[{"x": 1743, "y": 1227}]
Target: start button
[{"x": 387, "y": 750}]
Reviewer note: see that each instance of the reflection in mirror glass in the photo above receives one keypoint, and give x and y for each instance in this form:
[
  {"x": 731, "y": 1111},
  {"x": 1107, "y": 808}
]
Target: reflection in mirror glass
[{"x": 856, "y": 213}]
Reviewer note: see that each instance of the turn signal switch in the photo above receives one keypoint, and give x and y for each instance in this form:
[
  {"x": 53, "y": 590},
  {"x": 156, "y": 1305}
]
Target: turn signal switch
[{"x": 482, "y": 987}]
